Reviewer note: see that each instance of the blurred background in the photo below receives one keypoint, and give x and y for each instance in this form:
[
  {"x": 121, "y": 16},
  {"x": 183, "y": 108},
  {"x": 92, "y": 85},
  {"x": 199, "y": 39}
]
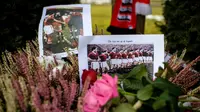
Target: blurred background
[
  {"x": 17, "y": 26},
  {"x": 180, "y": 24},
  {"x": 101, "y": 15}
]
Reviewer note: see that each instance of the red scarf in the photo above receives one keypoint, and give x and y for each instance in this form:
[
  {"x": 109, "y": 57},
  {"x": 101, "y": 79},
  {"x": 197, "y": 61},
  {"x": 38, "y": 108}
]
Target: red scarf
[{"x": 125, "y": 11}]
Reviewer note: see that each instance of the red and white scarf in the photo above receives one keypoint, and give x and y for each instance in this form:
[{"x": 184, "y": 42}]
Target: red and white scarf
[{"x": 125, "y": 11}]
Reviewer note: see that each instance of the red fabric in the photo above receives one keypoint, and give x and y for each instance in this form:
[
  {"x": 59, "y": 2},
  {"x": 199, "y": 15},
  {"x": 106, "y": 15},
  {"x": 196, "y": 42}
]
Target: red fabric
[
  {"x": 103, "y": 57},
  {"x": 112, "y": 55},
  {"x": 118, "y": 17},
  {"x": 144, "y": 1},
  {"x": 93, "y": 55},
  {"x": 136, "y": 54},
  {"x": 125, "y": 9},
  {"x": 119, "y": 55},
  {"x": 124, "y": 56},
  {"x": 141, "y": 53}
]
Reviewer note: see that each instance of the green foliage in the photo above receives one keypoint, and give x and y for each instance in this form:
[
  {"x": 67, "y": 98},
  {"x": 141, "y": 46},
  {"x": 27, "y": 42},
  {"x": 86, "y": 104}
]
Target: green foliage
[
  {"x": 159, "y": 104},
  {"x": 142, "y": 94},
  {"x": 138, "y": 72},
  {"x": 124, "y": 107},
  {"x": 164, "y": 84},
  {"x": 131, "y": 85},
  {"x": 130, "y": 98},
  {"x": 182, "y": 28},
  {"x": 132, "y": 80},
  {"x": 20, "y": 19},
  {"x": 145, "y": 93}
]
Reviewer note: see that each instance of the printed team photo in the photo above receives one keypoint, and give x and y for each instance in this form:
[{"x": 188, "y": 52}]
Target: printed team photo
[
  {"x": 60, "y": 28},
  {"x": 115, "y": 58},
  {"x": 119, "y": 54}
]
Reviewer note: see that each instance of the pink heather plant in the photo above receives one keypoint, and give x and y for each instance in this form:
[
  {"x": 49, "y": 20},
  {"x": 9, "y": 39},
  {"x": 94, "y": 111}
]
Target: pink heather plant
[{"x": 100, "y": 93}]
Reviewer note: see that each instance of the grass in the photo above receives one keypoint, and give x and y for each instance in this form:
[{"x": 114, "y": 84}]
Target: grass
[{"x": 101, "y": 16}]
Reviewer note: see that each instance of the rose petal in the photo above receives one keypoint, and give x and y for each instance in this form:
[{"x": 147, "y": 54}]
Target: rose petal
[
  {"x": 91, "y": 73},
  {"x": 115, "y": 92},
  {"x": 109, "y": 79},
  {"x": 112, "y": 82},
  {"x": 115, "y": 79},
  {"x": 91, "y": 103},
  {"x": 103, "y": 91}
]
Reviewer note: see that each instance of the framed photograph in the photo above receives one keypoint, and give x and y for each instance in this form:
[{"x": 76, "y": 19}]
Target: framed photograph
[
  {"x": 119, "y": 54},
  {"x": 60, "y": 27}
]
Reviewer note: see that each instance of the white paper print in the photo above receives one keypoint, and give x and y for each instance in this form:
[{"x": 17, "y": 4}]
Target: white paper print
[
  {"x": 60, "y": 27},
  {"x": 118, "y": 54}
]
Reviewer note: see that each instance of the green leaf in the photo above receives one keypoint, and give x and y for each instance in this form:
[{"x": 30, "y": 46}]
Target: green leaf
[
  {"x": 121, "y": 76},
  {"x": 112, "y": 75},
  {"x": 158, "y": 104},
  {"x": 115, "y": 101},
  {"x": 145, "y": 93},
  {"x": 160, "y": 71},
  {"x": 146, "y": 81},
  {"x": 137, "y": 72},
  {"x": 121, "y": 91},
  {"x": 170, "y": 72},
  {"x": 124, "y": 107},
  {"x": 164, "y": 84},
  {"x": 131, "y": 85},
  {"x": 183, "y": 54},
  {"x": 165, "y": 95},
  {"x": 130, "y": 98}
]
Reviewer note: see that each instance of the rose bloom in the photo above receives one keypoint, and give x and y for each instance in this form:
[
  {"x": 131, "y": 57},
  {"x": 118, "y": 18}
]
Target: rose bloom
[
  {"x": 100, "y": 93},
  {"x": 91, "y": 73},
  {"x": 91, "y": 103}
]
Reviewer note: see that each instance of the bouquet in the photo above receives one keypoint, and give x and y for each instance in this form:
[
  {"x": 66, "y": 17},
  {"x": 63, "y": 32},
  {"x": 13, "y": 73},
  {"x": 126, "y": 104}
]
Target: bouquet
[{"x": 46, "y": 84}]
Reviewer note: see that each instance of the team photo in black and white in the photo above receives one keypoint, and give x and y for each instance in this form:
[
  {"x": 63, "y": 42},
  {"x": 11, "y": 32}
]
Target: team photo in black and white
[{"x": 115, "y": 58}]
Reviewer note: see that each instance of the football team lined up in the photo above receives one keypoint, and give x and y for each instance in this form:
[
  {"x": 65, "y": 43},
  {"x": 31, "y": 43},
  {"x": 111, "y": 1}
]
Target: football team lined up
[{"x": 118, "y": 58}]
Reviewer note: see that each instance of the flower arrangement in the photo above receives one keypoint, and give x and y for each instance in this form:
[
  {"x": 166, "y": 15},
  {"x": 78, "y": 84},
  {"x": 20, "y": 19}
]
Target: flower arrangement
[
  {"x": 133, "y": 93},
  {"x": 137, "y": 92},
  {"x": 32, "y": 84}
]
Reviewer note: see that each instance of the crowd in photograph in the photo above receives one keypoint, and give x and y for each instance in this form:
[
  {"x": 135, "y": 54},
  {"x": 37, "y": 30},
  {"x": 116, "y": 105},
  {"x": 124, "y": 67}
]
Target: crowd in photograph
[{"x": 110, "y": 60}]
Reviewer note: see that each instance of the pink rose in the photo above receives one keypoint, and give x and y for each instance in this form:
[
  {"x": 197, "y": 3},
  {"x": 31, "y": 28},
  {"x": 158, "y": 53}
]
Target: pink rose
[
  {"x": 100, "y": 93},
  {"x": 105, "y": 89},
  {"x": 113, "y": 83},
  {"x": 91, "y": 104}
]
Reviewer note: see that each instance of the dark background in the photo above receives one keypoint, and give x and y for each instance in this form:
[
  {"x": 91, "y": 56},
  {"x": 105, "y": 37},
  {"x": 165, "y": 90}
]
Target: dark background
[
  {"x": 182, "y": 27},
  {"x": 19, "y": 20}
]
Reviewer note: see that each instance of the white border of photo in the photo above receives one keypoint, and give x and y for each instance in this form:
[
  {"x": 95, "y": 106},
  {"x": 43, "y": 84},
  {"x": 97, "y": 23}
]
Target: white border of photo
[
  {"x": 156, "y": 40},
  {"x": 87, "y": 26}
]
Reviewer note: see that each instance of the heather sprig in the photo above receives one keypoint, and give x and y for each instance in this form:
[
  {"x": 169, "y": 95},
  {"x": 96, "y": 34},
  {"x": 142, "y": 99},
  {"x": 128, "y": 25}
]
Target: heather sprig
[
  {"x": 83, "y": 92},
  {"x": 194, "y": 91},
  {"x": 187, "y": 77},
  {"x": 26, "y": 86},
  {"x": 8, "y": 93},
  {"x": 19, "y": 92}
]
